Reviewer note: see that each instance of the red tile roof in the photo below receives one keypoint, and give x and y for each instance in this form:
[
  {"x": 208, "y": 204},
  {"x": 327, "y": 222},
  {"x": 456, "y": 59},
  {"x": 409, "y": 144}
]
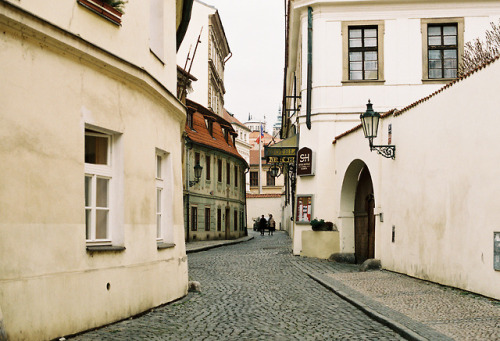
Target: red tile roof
[{"x": 200, "y": 134}]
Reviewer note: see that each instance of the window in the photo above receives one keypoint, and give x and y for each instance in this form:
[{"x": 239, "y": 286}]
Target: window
[
  {"x": 196, "y": 158},
  {"x": 442, "y": 48},
  {"x": 254, "y": 178},
  {"x": 228, "y": 173},
  {"x": 363, "y": 56},
  {"x": 270, "y": 179},
  {"x": 242, "y": 220},
  {"x": 156, "y": 36},
  {"x": 235, "y": 220},
  {"x": 164, "y": 197},
  {"x": 236, "y": 177},
  {"x": 363, "y": 53},
  {"x": 194, "y": 218},
  {"x": 189, "y": 120},
  {"x": 219, "y": 170},
  {"x": 159, "y": 194},
  {"x": 207, "y": 218},
  {"x": 210, "y": 127},
  {"x": 442, "y": 51},
  {"x": 219, "y": 219},
  {"x": 98, "y": 186},
  {"x": 207, "y": 166}
]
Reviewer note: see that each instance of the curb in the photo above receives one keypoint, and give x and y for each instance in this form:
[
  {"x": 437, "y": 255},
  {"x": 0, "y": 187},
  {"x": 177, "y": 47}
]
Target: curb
[
  {"x": 222, "y": 243},
  {"x": 397, "y": 327}
]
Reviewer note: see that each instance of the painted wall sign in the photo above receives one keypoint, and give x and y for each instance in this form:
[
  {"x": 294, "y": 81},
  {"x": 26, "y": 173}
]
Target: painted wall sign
[
  {"x": 304, "y": 209},
  {"x": 305, "y": 161}
]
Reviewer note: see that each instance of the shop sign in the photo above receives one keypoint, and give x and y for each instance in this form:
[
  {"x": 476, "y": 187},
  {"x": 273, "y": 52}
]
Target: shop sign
[
  {"x": 305, "y": 161},
  {"x": 280, "y": 155}
]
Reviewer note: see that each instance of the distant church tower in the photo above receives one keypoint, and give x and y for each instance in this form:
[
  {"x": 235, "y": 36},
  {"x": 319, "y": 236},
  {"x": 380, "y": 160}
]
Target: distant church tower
[{"x": 277, "y": 125}]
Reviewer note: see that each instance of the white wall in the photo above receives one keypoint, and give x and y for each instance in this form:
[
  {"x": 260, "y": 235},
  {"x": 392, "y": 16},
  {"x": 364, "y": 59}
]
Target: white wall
[
  {"x": 256, "y": 207},
  {"x": 440, "y": 191}
]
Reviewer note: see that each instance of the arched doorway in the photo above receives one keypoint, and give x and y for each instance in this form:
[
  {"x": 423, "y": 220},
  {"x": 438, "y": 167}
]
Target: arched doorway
[{"x": 364, "y": 219}]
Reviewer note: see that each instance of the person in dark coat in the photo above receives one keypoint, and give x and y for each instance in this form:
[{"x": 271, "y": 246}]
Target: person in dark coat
[
  {"x": 272, "y": 224},
  {"x": 262, "y": 225}
]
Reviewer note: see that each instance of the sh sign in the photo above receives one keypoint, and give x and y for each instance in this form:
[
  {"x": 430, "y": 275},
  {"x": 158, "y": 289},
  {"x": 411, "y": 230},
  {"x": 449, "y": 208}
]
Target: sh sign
[{"x": 305, "y": 161}]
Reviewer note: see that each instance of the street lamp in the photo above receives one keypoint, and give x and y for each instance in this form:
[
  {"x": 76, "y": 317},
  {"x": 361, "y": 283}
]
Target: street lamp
[
  {"x": 197, "y": 174},
  {"x": 369, "y": 121},
  {"x": 275, "y": 171}
]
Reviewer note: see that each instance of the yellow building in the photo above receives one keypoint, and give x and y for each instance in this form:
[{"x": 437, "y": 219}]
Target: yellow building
[{"x": 91, "y": 229}]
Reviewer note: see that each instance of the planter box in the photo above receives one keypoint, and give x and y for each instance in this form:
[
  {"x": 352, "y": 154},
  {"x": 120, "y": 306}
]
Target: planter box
[
  {"x": 103, "y": 9},
  {"x": 320, "y": 244}
]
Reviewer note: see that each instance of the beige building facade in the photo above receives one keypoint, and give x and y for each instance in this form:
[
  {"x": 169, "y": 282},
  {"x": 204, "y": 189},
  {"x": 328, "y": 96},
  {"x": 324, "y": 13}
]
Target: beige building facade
[{"x": 91, "y": 194}]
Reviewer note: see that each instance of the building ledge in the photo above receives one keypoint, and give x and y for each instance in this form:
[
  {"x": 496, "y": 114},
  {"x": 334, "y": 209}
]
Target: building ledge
[
  {"x": 105, "y": 248},
  {"x": 162, "y": 246}
]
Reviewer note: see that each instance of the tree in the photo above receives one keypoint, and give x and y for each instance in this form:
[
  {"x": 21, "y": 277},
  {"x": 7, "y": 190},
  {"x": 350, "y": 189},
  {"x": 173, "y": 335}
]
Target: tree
[{"x": 478, "y": 52}]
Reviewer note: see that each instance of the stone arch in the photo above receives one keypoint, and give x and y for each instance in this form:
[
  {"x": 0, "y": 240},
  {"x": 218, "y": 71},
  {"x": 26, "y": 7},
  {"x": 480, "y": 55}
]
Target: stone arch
[{"x": 356, "y": 211}]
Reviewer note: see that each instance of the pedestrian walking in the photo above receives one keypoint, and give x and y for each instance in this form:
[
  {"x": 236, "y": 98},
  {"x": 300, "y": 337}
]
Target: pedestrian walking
[
  {"x": 272, "y": 224},
  {"x": 262, "y": 225}
]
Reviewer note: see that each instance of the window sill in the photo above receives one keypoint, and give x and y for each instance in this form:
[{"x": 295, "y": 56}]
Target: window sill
[
  {"x": 105, "y": 248},
  {"x": 363, "y": 82},
  {"x": 162, "y": 246},
  {"x": 438, "y": 80},
  {"x": 103, "y": 10}
]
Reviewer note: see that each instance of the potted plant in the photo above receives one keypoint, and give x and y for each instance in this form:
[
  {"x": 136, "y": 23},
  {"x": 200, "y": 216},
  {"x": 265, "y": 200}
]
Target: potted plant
[{"x": 321, "y": 225}]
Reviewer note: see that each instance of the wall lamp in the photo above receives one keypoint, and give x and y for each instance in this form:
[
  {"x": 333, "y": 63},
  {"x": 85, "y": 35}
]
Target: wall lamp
[
  {"x": 370, "y": 120},
  {"x": 197, "y": 175}
]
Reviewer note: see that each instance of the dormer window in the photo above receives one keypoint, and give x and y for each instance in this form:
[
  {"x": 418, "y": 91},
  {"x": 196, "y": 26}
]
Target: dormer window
[
  {"x": 189, "y": 120},
  {"x": 226, "y": 135},
  {"x": 210, "y": 126}
]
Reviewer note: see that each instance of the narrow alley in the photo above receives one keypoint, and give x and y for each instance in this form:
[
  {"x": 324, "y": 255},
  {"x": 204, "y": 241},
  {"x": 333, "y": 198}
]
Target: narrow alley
[{"x": 257, "y": 290}]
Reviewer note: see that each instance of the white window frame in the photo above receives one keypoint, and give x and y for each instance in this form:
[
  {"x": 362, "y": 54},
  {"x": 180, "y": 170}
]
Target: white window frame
[
  {"x": 94, "y": 172},
  {"x": 164, "y": 184},
  {"x": 112, "y": 171}
]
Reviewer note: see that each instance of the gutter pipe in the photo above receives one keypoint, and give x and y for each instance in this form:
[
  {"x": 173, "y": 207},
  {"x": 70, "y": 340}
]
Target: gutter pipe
[{"x": 309, "y": 66}]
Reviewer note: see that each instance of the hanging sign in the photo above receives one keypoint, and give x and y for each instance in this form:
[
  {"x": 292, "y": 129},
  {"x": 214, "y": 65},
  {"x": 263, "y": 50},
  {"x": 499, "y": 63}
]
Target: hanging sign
[
  {"x": 280, "y": 154},
  {"x": 305, "y": 161}
]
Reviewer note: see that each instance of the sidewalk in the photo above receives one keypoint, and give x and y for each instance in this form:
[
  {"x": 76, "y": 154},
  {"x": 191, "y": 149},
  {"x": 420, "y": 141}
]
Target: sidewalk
[
  {"x": 210, "y": 244},
  {"x": 416, "y": 309}
]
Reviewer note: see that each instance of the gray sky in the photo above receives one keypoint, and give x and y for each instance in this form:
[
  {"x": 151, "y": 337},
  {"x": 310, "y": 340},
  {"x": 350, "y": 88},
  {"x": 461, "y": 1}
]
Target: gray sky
[{"x": 253, "y": 77}]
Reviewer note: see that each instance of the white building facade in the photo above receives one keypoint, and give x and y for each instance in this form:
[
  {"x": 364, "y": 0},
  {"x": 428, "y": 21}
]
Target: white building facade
[{"x": 340, "y": 55}]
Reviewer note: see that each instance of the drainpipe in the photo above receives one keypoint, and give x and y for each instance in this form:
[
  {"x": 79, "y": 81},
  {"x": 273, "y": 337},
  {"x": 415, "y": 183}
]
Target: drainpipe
[
  {"x": 309, "y": 66},
  {"x": 187, "y": 192}
]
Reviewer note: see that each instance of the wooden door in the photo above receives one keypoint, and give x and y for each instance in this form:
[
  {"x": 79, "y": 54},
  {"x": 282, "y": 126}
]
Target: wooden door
[{"x": 364, "y": 219}]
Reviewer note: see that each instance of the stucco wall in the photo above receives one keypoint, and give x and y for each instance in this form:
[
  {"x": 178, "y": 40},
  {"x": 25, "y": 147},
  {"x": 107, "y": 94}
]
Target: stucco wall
[
  {"x": 53, "y": 85},
  {"x": 439, "y": 193},
  {"x": 256, "y": 207}
]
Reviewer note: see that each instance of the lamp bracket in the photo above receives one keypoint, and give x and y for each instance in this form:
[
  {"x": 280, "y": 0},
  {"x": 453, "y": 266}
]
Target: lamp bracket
[
  {"x": 388, "y": 151},
  {"x": 192, "y": 183}
]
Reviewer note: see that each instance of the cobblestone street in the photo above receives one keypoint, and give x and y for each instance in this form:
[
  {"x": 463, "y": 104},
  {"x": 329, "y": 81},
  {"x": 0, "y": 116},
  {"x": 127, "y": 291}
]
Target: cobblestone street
[{"x": 250, "y": 291}]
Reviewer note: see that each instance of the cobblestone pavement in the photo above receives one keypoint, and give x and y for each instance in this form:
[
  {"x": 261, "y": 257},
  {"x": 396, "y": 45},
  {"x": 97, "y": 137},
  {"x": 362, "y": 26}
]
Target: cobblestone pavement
[{"x": 252, "y": 291}]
